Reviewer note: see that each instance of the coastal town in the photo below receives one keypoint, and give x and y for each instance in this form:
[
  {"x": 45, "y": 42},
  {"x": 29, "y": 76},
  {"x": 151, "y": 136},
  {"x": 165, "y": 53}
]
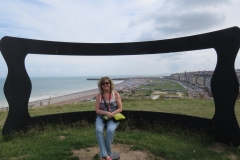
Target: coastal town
[{"x": 198, "y": 82}]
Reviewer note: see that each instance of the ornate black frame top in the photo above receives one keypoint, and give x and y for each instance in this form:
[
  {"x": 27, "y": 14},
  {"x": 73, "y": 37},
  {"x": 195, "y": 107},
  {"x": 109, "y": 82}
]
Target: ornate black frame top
[{"x": 224, "y": 83}]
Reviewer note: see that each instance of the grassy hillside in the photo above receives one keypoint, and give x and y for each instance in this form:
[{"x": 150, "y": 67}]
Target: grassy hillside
[{"x": 162, "y": 142}]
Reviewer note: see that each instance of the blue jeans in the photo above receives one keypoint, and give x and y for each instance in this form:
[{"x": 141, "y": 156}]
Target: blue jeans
[{"x": 105, "y": 144}]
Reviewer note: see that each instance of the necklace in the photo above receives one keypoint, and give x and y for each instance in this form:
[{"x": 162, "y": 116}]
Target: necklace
[{"x": 108, "y": 100}]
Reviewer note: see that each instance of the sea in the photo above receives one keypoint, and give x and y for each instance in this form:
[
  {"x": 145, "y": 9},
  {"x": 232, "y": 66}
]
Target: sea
[{"x": 44, "y": 87}]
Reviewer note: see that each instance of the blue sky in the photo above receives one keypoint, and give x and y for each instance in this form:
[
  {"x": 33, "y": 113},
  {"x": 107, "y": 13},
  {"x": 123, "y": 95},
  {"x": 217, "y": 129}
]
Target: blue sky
[{"x": 108, "y": 21}]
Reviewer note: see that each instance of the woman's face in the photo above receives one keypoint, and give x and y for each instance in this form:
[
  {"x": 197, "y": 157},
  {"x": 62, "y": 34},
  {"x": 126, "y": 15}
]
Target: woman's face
[{"x": 106, "y": 84}]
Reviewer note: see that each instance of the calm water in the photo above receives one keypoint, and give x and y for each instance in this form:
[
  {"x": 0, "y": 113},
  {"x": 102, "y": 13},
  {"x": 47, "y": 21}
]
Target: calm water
[{"x": 44, "y": 87}]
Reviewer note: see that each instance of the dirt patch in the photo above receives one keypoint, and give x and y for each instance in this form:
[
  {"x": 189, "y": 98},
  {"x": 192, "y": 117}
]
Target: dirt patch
[
  {"x": 62, "y": 137},
  {"x": 20, "y": 157},
  {"x": 219, "y": 148},
  {"x": 124, "y": 150}
]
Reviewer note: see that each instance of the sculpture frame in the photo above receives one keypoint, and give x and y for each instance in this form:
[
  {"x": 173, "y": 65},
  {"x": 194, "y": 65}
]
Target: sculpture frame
[{"x": 224, "y": 83}]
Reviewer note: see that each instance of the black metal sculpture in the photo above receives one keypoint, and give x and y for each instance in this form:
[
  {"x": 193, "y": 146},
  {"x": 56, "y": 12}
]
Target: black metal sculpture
[{"x": 224, "y": 84}]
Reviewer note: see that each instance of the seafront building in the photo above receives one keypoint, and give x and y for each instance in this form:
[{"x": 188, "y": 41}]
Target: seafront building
[{"x": 201, "y": 79}]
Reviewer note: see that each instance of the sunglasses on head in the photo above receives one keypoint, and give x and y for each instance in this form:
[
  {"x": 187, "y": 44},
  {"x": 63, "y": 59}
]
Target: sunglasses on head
[{"x": 105, "y": 83}]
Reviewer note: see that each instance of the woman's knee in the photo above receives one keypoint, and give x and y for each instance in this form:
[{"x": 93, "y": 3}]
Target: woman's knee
[
  {"x": 110, "y": 129},
  {"x": 99, "y": 129}
]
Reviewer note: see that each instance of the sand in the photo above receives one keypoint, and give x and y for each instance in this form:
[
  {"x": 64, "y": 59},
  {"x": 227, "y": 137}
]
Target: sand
[
  {"x": 125, "y": 153},
  {"x": 85, "y": 95}
]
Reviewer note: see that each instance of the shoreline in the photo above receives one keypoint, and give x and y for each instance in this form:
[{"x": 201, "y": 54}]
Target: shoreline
[{"x": 87, "y": 95}]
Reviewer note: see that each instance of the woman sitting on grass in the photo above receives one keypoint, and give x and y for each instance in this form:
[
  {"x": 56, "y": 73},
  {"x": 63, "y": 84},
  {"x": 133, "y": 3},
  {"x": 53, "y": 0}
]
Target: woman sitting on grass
[{"x": 108, "y": 103}]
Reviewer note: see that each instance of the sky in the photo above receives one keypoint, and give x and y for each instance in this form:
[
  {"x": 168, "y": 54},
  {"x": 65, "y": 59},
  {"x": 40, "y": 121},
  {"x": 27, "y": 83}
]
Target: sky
[{"x": 112, "y": 21}]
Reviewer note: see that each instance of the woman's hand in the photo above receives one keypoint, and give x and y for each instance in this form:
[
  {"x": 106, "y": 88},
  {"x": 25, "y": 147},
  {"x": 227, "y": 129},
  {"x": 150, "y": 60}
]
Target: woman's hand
[{"x": 109, "y": 114}]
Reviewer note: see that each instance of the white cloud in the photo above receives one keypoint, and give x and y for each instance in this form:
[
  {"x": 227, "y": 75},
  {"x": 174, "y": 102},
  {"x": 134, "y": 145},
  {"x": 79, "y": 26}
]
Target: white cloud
[
  {"x": 79, "y": 70},
  {"x": 33, "y": 70},
  {"x": 43, "y": 70},
  {"x": 116, "y": 21},
  {"x": 55, "y": 70}
]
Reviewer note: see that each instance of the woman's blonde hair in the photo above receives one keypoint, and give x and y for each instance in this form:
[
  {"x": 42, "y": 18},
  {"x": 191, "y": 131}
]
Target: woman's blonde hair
[{"x": 102, "y": 80}]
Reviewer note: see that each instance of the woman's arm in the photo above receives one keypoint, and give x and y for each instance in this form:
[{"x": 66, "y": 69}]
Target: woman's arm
[{"x": 119, "y": 103}]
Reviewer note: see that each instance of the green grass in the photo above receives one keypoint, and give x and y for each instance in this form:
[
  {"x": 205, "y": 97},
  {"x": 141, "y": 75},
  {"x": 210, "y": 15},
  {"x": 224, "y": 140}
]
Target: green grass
[
  {"x": 46, "y": 143},
  {"x": 162, "y": 84},
  {"x": 58, "y": 141},
  {"x": 194, "y": 107},
  {"x": 83, "y": 106}
]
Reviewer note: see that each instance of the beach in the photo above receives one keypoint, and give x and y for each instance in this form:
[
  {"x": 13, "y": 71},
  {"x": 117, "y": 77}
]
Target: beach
[{"x": 85, "y": 95}]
